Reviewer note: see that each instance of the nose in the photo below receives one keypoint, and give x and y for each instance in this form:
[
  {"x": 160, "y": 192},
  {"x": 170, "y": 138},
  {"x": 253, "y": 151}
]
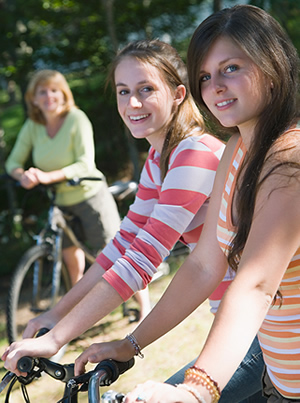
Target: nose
[
  {"x": 48, "y": 93},
  {"x": 135, "y": 102},
  {"x": 218, "y": 84}
]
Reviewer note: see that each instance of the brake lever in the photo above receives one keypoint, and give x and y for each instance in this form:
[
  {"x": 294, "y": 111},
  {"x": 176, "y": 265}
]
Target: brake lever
[
  {"x": 7, "y": 378},
  {"x": 34, "y": 368}
]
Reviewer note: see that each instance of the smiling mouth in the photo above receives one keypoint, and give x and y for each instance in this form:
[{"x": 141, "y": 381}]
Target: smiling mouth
[
  {"x": 140, "y": 117},
  {"x": 224, "y": 103}
]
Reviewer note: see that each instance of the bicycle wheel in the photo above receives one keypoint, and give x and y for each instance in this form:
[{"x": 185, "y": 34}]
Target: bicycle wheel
[{"x": 30, "y": 291}]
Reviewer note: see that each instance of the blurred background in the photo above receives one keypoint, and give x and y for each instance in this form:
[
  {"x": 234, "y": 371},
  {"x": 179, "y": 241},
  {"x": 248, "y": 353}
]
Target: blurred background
[{"x": 79, "y": 38}]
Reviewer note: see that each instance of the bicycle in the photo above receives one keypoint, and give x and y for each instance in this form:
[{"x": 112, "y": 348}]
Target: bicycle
[
  {"x": 104, "y": 374},
  {"x": 40, "y": 277}
]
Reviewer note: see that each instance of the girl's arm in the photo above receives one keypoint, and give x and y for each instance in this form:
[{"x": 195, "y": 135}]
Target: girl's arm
[
  {"x": 178, "y": 213},
  {"x": 47, "y": 178},
  {"x": 16, "y": 160},
  {"x": 50, "y": 318},
  {"x": 273, "y": 240},
  {"x": 194, "y": 282},
  {"x": 96, "y": 304}
]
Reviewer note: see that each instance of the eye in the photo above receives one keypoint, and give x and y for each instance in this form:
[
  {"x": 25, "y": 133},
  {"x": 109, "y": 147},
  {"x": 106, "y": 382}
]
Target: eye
[
  {"x": 123, "y": 92},
  {"x": 147, "y": 88},
  {"x": 204, "y": 77},
  {"x": 231, "y": 68}
]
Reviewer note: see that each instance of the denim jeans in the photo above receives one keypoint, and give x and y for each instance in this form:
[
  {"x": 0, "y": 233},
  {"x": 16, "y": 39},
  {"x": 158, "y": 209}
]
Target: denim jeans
[{"x": 245, "y": 386}]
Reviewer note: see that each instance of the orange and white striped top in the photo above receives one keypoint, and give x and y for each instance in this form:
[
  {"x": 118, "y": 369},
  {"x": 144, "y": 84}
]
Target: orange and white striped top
[{"x": 279, "y": 335}]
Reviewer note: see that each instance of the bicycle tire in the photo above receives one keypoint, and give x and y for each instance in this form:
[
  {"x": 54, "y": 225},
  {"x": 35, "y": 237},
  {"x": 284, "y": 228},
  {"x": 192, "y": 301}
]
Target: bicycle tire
[{"x": 20, "y": 309}]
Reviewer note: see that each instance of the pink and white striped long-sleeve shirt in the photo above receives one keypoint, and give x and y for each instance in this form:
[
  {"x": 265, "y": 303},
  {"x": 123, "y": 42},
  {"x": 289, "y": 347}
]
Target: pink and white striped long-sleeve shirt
[{"x": 162, "y": 213}]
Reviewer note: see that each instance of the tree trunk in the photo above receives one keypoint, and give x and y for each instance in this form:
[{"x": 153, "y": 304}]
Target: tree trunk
[
  {"x": 217, "y": 6},
  {"x": 108, "y": 6}
]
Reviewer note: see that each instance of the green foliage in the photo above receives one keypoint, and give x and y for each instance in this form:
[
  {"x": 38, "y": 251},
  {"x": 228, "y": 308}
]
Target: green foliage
[
  {"x": 80, "y": 38},
  {"x": 287, "y": 12},
  {"x": 11, "y": 121}
]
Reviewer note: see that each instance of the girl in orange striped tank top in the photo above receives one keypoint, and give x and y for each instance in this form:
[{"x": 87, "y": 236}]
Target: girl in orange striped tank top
[
  {"x": 248, "y": 72},
  {"x": 243, "y": 73},
  {"x": 248, "y": 82}
]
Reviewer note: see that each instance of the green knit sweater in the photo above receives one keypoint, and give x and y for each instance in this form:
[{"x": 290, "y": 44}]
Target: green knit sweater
[{"x": 72, "y": 150}]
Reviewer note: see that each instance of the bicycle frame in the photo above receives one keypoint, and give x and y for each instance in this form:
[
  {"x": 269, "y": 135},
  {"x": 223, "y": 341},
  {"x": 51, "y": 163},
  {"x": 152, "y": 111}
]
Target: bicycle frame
[
  {"x": 43, "y": 269},
  {"x": 52, "y": 234}
]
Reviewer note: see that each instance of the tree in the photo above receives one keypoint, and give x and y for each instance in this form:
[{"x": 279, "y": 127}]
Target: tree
[
  {"x": 287, "y": 12},
  {"x": 79, "y": 38}
]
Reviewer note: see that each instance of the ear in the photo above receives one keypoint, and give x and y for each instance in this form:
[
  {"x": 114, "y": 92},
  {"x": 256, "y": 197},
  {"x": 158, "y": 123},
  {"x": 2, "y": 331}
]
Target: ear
[{"x": 180, "y": 93}]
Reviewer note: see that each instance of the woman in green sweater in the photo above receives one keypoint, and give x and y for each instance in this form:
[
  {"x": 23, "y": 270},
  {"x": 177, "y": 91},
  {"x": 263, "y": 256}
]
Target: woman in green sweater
[{"x": 60, "y": 138}]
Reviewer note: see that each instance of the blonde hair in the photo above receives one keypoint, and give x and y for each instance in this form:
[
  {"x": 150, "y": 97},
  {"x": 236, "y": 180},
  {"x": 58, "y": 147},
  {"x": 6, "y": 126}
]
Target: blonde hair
[{"x": 45, "y": 77}]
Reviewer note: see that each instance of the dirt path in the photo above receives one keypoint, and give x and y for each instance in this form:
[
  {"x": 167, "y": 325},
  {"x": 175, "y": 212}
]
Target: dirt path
[{"x": 162, "y": 358}]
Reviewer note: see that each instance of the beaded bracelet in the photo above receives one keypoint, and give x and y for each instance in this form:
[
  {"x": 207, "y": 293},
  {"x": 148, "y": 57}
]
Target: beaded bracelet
[
  {"x": 193, "y": 391},
  {"x": 135, "y": 344},
  {"x": 201, "y": 377}
]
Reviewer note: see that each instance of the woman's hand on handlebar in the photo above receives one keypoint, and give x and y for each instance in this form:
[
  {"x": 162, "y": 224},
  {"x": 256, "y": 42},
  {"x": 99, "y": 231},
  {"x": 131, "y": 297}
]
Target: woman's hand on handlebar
[
  {"x": 120, "y": 350},
  {"x": 42, "y": 177},
  {"x": 28, "y": 179},
  {"x": 45, "y": 320},
  {"x": 43, "y": 346}
]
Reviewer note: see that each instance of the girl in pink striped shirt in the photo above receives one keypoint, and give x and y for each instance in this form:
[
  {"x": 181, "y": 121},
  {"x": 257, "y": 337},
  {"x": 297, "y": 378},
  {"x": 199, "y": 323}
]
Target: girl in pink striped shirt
[
  {"x": 244, "y": 73},
  {"x": 154, "y": 101}
]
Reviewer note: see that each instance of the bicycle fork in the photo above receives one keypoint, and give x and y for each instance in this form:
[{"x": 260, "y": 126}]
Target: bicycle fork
[{"x": 56, "y": 257}]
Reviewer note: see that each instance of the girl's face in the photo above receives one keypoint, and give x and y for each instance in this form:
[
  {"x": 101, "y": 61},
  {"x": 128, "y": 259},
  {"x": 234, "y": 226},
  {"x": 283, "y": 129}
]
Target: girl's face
[
  {"x": 232, "y": 86},
  {"x": 145, "y": 101},
  {"x": 49, "y": 98}
]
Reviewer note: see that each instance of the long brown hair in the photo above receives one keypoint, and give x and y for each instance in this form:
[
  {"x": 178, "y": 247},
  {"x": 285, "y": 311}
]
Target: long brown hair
[
  {"x": 261, "y": 37},
  {"x": 173, "y": 71}
]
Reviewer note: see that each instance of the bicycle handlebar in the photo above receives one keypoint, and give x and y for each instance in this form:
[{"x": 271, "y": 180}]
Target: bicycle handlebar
[
  {"x": 116, "y": 368},
  {"x": 110, "y": 370},
  {"x": 76, "y": 181},
  {"x": 120, "y": 190},
  {"x": 71, "y": 182},
  {"x": 105, "y": 373}
]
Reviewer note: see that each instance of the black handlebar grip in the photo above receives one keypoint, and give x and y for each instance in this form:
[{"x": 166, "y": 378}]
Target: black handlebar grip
[
  {"x": 42, "y": 331},
  {"x": 124, "y": 366},
  {"x": 25, "y": 364},
  {"x": 114, "y": 368}
]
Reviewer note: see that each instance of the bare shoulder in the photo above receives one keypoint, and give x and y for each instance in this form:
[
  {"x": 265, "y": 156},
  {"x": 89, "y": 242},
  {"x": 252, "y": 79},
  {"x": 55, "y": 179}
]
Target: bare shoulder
[
  {"x": 285, "y": 152},
  {"x": 223, "y": 169},
  {"x": 288, "y": 142},
  {"x": 281, "y": 169},
  {"x": 228, "y": 153}
]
